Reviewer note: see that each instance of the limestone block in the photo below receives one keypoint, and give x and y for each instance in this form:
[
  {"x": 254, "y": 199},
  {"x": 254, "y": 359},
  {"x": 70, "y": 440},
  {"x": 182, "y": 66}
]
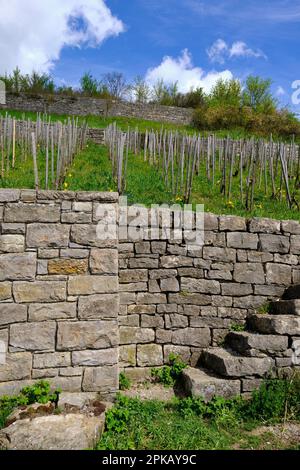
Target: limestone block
[
  {"x": 48, "y": 360},
  {"x": 260, "y": 225},
  {"x": 249, "y": 273},
  {"x": 203, "y": 286},
  {"x": 232, "y": 223},
  {"x": 98, "y": 307},
  {"x": 104, "y": 261},
  {"x": 145, "y": 298},
  {"x": 225, "y": 255},
  {"x": 55, "y": 311},
  {"x": 16, "y": 367},
  {"x": 136, "y": 335},
  {"x": 106, "y": 357},
  {"x": 242, "y": 240},
  {"x": 33, "y": 336},
  {"x": 12, "y": 313},
  {"x": 133, "y": 275},
  {"x": 169, "y": 285},
  {"x": 12, "y": 243},
  {"x": 39, "y": 291},
  {"x": 18, "y": 267},
  {"x": 279, "y": 274},
  {"x": 127, "y": 355},
  {"x": 28, "y": 213},
  {"x": 274, "y": 243},
  {"x": 67, "y": 266},
  {"x": 47, "y": 236},
  {"x": 9, "y": 195},
  {"x": 149, "y": 355},
  {"x": 170, "y": 262},
  {"x": 88, "y": 285},
  {"x": 198, "y": 337},
  {"x": 101, "y": 379},
  {"x": 87, "y": 335},
  {"x": 295, "y": 244}
]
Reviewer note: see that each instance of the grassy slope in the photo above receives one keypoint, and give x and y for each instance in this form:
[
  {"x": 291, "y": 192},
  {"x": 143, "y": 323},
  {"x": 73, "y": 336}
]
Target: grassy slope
[{"x": 91, "y": 171}]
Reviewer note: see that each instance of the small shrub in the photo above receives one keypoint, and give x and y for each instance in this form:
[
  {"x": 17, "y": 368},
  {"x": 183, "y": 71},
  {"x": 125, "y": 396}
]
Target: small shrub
[
  {"x": 124, "y": 381},
  {"x": 168, "y": 375},
  {"x": 40, "y": 392},
  {"x": 118, "y": 417}
]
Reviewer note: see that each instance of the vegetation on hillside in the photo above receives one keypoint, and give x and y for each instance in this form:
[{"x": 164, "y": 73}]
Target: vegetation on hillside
[{"x": 230, "y": 105}]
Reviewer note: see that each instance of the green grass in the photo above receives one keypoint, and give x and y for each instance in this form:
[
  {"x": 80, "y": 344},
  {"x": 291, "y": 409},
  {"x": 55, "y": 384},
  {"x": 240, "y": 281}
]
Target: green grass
[{"x": 192, "y": 424}]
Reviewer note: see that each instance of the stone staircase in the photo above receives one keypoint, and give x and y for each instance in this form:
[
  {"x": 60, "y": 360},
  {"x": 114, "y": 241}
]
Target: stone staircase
[{"x": 250, "y": 356}]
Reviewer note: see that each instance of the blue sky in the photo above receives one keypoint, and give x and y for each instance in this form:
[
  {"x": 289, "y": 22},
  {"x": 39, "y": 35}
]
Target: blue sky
[{"x": 218, "y": 37}]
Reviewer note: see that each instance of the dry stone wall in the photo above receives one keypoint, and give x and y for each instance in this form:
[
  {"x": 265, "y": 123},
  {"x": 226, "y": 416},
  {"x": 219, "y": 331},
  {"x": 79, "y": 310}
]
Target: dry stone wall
[
  {"x": 173, "y": 300},
  {"x": 76, "y": 308},
  {"x": 59, "y": 298},
  {"x": 83, "y": 106}
]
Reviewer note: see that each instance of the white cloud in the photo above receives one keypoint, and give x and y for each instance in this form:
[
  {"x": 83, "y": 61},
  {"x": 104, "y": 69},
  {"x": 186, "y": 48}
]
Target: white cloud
[
  {"x": 240, "y": 49},
  {"x": 220, "y": 51},
  {"x": 217, "y": 51},
  {"x": 182, "y": 70},
  {"x": 33, "y": 33}
]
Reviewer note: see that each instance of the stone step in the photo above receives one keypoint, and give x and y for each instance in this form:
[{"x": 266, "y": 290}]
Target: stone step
[
  {"x": 255, "y": 344},
  {"x": 285, "y": 307},
  {"x": 292, "y": 293},
  {"x": 228, "y": 364},
  {"x": 202, "y": 383},
  {"x": 275, "y": 324}
]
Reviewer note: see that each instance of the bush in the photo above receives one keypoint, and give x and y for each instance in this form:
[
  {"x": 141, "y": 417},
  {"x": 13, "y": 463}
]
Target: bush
[{"x": 40, "y": 392}]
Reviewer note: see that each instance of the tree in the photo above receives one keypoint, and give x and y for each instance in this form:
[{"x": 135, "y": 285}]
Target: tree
[
  {"x": 116, "y": 85},
  {"x": 89, "y": 85},
  {"x": 192, "y": 99},
  {"x": 159, "y": 91},
  {"x": 258, "y": 96},
  {"x": 141, "y": 90},
  {"x": 226, "y": 93},
  {"x": 39, "y": 83}
]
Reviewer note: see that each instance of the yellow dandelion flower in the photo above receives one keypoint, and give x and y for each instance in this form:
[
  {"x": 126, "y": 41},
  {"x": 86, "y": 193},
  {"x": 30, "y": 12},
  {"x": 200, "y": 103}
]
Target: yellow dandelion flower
[{"x": 66, "y": 185}]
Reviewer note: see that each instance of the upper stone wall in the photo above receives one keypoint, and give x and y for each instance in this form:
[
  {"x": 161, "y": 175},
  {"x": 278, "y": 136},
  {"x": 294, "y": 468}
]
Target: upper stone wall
[{"x": 83, "y": 106}]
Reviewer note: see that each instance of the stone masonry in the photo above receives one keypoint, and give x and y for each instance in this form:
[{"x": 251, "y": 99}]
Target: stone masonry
[
  {"x": 83, "y": 106},
  {"x": 59, "y": 299},
  {"x": 176, "y": 301},
  {"x": 76, "y": 309}
]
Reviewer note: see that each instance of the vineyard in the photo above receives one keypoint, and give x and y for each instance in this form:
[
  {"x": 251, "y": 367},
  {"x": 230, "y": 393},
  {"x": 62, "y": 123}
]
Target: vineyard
[
  {"x": 239, "y": 176},
  {"x": 38, "y": 152},
  {"x": 257, "y": 167}
]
